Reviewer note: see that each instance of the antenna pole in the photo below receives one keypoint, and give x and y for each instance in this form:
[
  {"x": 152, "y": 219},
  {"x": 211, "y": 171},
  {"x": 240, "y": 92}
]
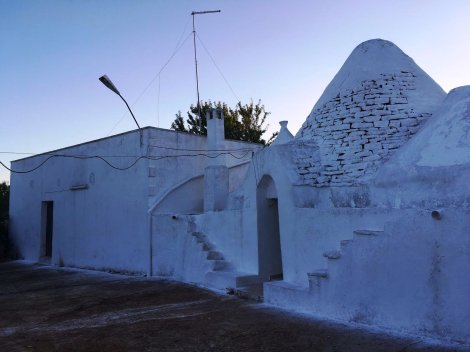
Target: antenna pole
[
  {"x": 197, "y": 77},
  {"x": 195, "y": 63}
]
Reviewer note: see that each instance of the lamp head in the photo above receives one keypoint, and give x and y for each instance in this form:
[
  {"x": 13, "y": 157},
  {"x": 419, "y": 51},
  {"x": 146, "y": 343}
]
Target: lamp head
[{"x": 107, "y": 82}]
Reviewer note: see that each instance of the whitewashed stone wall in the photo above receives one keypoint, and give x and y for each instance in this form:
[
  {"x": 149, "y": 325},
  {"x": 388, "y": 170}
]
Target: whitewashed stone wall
[
  {"x": 359, "y": 129},
  {"x": 306, "y": 156}
]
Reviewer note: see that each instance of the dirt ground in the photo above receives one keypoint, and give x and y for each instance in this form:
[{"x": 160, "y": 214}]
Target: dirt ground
[{"x": 44, "y": 308}]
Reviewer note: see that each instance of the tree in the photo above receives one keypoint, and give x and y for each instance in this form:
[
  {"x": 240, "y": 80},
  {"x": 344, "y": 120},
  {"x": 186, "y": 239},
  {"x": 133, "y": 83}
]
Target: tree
[{"x": 244, "y": 122}]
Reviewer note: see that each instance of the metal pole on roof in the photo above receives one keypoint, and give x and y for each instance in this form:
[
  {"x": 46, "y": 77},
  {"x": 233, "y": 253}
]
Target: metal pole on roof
[{"x": 195, "y": 62}]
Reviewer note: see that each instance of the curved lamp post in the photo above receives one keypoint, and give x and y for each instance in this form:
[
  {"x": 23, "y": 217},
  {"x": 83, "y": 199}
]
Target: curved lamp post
[{"x": 107, "y": 82}]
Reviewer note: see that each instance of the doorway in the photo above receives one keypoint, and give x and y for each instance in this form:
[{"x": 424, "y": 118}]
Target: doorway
[
  {"x": 47, "y": 228},
  {"x": 269, "y": 239}
]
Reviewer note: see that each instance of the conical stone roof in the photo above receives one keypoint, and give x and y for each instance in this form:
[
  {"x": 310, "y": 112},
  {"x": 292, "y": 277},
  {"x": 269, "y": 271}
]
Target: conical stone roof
[{"x": 377, "y": 101}]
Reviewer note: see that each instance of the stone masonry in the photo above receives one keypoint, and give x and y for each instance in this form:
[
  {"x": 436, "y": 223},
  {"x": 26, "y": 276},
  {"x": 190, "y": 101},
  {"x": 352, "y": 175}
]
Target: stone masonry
[{"x": 359, "y": 129}]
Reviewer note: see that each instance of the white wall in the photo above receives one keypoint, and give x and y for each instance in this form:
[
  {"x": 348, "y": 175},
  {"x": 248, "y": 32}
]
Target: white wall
[
  {"x": 175, "y": 251},
  {"x": 311, "y": 221},
  {"x": 224, "y": 230},
  {"x": 106, "y": 225},
  {"x": 413, "y": 277},
  {"x": 188, "y": 159},
  {"x": 102, "y": 227},
  {"x": 424, "y": 281}
]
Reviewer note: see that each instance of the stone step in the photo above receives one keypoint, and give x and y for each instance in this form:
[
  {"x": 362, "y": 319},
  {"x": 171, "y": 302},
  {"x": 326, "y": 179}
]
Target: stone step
[
  {"x": 206, "y": 246},
  {"x": 315, "y": 278},
  {"x": 344, "y": 244},
  {"x": 230, "y": 280},
  {"x": 335, "y": 254},
  {"x": 200, "y": 237},
  {"x": 215, "y": 255},
  {"x": 322, "y": 273}
]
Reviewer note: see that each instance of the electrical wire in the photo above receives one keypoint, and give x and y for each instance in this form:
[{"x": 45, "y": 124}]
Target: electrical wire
[
  {"x": 18, "y": 153},
  {"x": 83, "y": 157},
  {"x": 205, "y": 150},
  {"x": 217, "y": 67},
  {"x": 178, "y": 46},
  {"x": 153, "y": 146},
  {"x": 158, "y": 101},
  {"x": 150, "y": 83}
]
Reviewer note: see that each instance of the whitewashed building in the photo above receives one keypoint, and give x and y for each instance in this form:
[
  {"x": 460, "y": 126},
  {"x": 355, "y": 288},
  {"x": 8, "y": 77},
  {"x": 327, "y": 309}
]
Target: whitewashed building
[
  {"x": 88, "y": 205},
  {"x": 363, "y": 216}
]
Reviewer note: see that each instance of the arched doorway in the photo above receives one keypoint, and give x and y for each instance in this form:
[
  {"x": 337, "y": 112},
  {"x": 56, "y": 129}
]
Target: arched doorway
[{"x": 269, "y": 239}]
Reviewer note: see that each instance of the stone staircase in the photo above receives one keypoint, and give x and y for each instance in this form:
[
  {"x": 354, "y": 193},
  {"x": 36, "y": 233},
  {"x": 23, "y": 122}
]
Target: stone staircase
[
  {"x": 214, "y": 257},
  {"x": 222, "y": 274},
  {"x": 320, "y": 277},
  {"x": 328, "y": 287}
]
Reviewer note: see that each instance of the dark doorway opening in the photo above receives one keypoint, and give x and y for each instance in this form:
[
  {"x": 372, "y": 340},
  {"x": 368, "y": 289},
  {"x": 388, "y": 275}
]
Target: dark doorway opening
[
  {"x": 48, "y": 226},
  {"x": 269, "y": 239}
]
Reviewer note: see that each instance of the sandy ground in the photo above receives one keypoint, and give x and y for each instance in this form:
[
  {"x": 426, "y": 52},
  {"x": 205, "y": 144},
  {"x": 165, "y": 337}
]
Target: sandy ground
[{"x": 44, "y": 308}]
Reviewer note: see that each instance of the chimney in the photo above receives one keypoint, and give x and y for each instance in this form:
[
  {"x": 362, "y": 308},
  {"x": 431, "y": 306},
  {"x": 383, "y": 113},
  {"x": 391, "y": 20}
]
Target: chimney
[
  {"x": 216, "y": 136},
  {"x": 216, "y": 180}
]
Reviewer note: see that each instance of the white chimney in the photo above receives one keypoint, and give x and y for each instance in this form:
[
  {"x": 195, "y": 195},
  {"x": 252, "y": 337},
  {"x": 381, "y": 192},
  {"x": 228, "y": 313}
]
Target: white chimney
[{"x": 216, "y": 179}]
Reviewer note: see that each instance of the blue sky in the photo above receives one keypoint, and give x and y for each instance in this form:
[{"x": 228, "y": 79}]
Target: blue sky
[{"x": 282, "y": 52}]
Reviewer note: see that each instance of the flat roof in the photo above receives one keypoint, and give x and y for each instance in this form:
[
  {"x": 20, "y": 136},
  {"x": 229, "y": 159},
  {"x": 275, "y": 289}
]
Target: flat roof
[{"x": 124, "y": 133}]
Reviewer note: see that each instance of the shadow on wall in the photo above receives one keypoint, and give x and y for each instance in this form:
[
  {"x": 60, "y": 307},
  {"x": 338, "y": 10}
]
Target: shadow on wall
[{"x": 186, "y": 198}]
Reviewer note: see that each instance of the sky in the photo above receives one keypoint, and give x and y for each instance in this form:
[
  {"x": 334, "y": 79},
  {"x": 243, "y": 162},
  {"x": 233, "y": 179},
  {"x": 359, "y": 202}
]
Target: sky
[{"x": 285, "y": 53}]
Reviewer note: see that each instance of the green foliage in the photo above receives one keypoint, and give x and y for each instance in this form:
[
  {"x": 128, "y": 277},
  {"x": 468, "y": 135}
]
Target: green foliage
[
  {"x": 244, "y": 122},
  {"x": 4, "y": 210}
]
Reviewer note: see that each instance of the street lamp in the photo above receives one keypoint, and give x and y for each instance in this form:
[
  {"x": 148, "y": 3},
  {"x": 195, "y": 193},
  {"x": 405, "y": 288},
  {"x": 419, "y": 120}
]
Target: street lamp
[{"x": 107, "y": 82}]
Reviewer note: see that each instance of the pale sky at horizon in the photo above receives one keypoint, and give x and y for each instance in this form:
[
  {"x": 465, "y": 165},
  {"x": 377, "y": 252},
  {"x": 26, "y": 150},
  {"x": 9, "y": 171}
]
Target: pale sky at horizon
[{"x": 283, "y": 52}]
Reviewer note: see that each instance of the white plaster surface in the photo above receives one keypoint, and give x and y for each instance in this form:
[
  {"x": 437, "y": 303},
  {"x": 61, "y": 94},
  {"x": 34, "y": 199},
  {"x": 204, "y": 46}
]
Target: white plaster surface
[
  {"x": 175, "y": 251},
  {"x": 284, "y": 135},
  {"x": 106, "y": 225},
  {"x": 102, "y": 226},
  {"x": 409, "y": 278},
  {"x": 224, "y": 229},
  {"x": 432, "y": 170},
  {"x": 180, "y": 158},
  {"x": 445, "y": 139}
]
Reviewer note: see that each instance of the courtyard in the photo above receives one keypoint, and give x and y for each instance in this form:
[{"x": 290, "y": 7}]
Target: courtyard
[{"x": 44, "y": 308}]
